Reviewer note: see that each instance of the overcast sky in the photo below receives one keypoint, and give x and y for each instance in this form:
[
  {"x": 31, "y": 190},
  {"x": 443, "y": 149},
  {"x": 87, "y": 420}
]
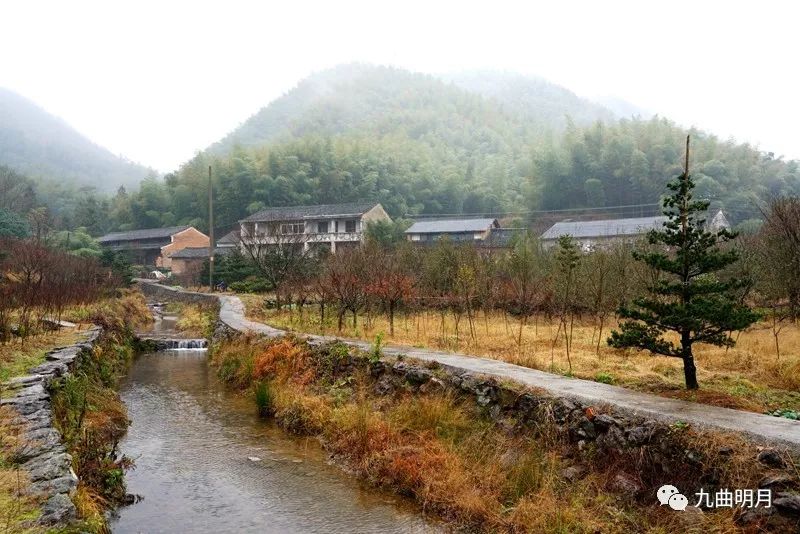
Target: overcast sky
[{"x": 158, "y": 81}]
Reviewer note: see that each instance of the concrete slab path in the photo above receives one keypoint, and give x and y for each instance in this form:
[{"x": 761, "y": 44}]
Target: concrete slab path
[{"x": 762, "y": 428}]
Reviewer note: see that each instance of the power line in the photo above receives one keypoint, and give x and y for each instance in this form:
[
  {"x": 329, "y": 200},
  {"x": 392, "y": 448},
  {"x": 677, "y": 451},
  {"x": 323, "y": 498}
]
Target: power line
[{"x": 529, "y": 212}]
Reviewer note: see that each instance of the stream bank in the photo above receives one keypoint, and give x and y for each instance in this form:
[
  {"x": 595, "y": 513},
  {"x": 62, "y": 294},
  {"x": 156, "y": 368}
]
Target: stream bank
[
  {"x": 205, "y": 462},
  {"x": 615, "y": 447}
]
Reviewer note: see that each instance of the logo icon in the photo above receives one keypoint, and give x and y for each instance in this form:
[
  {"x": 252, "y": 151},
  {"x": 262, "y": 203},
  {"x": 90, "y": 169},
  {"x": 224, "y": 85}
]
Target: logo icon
[{"x": 672, "y": 497}]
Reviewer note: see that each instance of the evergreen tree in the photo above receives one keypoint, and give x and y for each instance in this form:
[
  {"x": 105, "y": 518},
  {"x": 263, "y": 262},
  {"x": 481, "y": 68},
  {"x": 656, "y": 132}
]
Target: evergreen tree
[
  {"x": 688, "y": 297},
  {"x": 12, "y": 225}
]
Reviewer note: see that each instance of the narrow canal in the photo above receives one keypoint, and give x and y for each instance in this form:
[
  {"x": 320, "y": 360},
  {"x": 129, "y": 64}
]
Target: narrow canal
[{"x": 206, "y": 463}]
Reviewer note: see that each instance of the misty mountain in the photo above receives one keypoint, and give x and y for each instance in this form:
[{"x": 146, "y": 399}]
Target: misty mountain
[
  {"x": 479, "y": 142},
  {"x": 421, "y": 145},
  {"x": 534, "y": 99},
  {"x": 467, "y": 110},
  {"x": 622, "y": 108},
  {"x": 41, "y": 145}
]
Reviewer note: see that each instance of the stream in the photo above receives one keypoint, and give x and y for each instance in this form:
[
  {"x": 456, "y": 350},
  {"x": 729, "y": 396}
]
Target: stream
[{"x": 205, "y": 462}]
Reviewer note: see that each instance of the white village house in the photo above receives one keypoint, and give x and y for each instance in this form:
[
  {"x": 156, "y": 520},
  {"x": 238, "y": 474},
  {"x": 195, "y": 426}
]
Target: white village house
[{"x": 328, "y": 226}]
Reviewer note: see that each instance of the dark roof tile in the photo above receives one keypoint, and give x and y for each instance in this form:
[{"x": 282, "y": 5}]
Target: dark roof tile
[
  {"x": 196, "y": 252},
  {"x": 450, "y": 226},
  {"x": 147, "y": 233},
  {"x": 605, "y": 228},
  {"x": 295, "y": 213}
]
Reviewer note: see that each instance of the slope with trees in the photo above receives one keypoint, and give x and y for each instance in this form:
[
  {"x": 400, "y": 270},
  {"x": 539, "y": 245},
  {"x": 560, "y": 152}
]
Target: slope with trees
[
  {"x": 493, "y": 143},
  {"x": 40, "y": 145}
]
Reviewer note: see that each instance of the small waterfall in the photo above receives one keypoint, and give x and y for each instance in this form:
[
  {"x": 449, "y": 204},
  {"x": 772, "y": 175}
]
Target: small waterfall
[
  {"x": 182, "y": 344},
  {"x": 189, "y": 343},
  {"x": 177, "y": 343}
]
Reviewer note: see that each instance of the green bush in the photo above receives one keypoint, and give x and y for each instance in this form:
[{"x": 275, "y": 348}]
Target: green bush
[
  {"x": 788, "y": 414},
  {"x": 228, "y": 368},
  {"x": 251, "y": 285},
  {"x": 264, "y": 399},
  {"x": 605, "y": 378}
]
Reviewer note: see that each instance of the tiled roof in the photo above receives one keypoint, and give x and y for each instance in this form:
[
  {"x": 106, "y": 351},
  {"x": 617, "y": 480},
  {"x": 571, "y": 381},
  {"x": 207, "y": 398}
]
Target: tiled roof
[
  {"x": 451, "y": 226},
  {"x": 231, "y": 238},
  {"x": 604, "y": 228},
  {"x": 718, "y": 222},
  {"x": 294, "y": 213},
  {"x": 148, "y": 233},
  {"x": 196, "y": 252}
]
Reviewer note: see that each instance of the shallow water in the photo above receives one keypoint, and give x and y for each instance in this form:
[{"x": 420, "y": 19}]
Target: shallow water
[{"x": 192, "y": 442}]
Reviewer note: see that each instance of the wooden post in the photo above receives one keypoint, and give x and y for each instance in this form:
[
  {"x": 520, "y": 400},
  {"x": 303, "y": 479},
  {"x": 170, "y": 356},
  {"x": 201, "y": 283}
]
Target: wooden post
[{"x": 210, "y": 232}]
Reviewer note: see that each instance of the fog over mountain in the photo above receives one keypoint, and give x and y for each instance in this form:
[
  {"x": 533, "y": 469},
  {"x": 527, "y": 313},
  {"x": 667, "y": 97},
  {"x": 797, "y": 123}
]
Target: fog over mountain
[
  {"x": 473, "y": 143},
  {"x": 41, "y": 145},
  {"x": 533, "y": 98}
]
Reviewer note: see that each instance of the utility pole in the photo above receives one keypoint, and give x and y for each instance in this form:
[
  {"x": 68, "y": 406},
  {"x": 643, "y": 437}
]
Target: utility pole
[{"x": 210, "y": 232}]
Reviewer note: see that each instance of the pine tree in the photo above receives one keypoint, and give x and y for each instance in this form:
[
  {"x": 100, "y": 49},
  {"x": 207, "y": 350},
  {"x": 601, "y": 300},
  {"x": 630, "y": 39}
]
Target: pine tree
[{"x": 688, "y": 297}]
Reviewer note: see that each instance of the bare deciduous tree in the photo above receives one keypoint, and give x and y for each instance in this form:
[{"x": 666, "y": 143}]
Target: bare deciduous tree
[{"x": 276, "y": 256}]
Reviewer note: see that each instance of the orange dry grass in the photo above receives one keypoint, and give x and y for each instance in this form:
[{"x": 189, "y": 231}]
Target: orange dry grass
[
  {"x": 440, "y": 450},
  {"x": 91, "y": 507},
  {"x": 750, "y": 376},
  {"x": 285, "y": 360}
]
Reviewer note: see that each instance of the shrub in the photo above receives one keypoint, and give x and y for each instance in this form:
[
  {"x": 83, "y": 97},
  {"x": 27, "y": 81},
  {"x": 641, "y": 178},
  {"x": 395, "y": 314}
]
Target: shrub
[
  {"x": 605, "y": 378},
  {"x": 264, "y": 399},
  {"x": 251, "y": 285}
]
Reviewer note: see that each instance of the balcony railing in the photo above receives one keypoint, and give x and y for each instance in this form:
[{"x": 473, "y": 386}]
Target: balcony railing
[{"x": 315, "y": 237}]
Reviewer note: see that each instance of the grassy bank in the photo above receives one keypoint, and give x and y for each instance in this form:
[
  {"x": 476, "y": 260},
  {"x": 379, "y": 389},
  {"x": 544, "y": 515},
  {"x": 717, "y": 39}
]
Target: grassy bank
[
  {"x": 18, "y": 510},
  {"x": 750, "y": 376},
  {"x": 194, "y": 320},
  {"x": 17, "y": 357},
  {"x": 91, "y": 418},
  {"x": 90, "y": 415},
  {"x": 436, "y": 446}
]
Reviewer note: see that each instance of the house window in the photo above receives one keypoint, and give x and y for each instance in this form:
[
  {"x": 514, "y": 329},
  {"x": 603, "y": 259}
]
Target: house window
[
  {"x": 322, "y": 227},
  {"x": 350, "y": 226},
  {"x": 292, "y": 228},
  {"x": 336, "y": 226}
]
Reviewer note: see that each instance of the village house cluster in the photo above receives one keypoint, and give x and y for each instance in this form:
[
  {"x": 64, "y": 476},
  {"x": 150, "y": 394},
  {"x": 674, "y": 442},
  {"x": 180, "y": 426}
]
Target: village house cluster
[{"x": 333, "y": 227}]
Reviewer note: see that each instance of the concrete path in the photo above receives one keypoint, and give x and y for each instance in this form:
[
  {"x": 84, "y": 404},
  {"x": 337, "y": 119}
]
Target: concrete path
[{"x": 763, "y": 428}]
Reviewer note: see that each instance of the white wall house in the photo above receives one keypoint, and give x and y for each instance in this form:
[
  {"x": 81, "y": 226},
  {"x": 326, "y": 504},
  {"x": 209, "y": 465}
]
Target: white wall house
[{"x": 328, "y": 226}]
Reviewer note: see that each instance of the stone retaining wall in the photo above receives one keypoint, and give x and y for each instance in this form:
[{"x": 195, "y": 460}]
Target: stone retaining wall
[
  {"x": 43, "y": 455},
  {"x": 157, "y": 291},
  {"x": 648, "y": 453}
]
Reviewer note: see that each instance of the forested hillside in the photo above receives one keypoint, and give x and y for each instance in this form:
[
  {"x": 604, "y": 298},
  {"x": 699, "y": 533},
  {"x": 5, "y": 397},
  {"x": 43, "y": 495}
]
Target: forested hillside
[
  {"x": 423, "y": 146},
  {"x": 420, "y": 145},
  {"x": 629, "y": 162},
  {"x": 41, "y": 145}
]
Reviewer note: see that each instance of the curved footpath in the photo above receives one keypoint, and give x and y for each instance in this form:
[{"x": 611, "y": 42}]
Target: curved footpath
[{"x": 762, "y": 428}]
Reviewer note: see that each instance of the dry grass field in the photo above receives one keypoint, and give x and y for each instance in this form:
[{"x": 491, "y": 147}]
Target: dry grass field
[{"x": 749, "y": 376}]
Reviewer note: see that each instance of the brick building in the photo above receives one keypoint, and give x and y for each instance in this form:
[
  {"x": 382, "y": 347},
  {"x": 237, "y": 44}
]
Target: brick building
[{"x": 154, "y": 246}]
